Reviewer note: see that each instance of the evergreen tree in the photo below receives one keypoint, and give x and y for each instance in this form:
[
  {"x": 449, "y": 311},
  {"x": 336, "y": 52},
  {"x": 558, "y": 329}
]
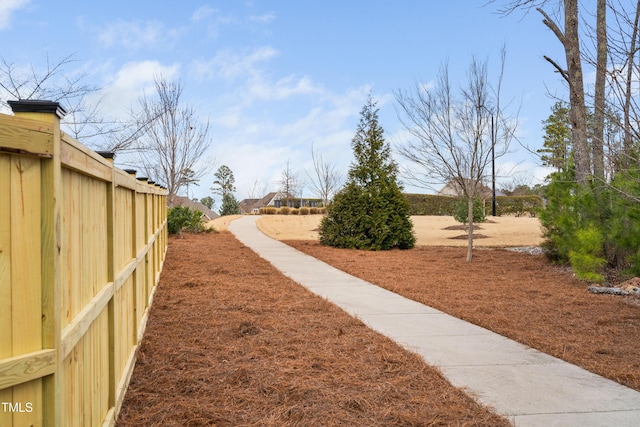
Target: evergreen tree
[
  {"x": 230, "y": 205},
  {"x": 208, "y": 201},
  {"x": 370, "y": 212},
  {"x": 224, "y": 185},
  {"x": 557, "y": 138},
  {"x": 224, "y": 182}
]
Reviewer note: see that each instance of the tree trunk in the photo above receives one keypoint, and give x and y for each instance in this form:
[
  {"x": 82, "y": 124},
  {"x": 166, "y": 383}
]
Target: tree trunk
[
  {"x": 573, "y": 75},
  {"x": 578, "y": 112},
  {"x": 599, "y": 98}
]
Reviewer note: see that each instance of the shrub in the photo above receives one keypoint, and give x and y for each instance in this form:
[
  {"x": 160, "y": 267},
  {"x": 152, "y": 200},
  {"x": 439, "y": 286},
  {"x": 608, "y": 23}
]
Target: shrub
[
  {"x": 430, "y": 204},
  {"x": 518, "y": 205},
  {"x": 585, "y": 259},
  {"x": 267, "y": 210},
  {"x": 285, "y": 210},
  {"x": 461, "y": 213},
  {"x": 314, "y": 211},
  {"x": 304, "y": 211},
  {"x": 294, "y": 211},
  {"x": 181, "y": 218}
]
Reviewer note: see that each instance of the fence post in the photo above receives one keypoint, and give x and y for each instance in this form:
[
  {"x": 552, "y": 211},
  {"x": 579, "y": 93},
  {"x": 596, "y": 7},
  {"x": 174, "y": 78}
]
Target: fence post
[{"x": 51, "y": 286}]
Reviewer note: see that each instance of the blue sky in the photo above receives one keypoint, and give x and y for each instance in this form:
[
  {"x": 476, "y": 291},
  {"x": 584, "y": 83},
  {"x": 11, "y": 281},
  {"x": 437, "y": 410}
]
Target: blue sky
[{"x": 273, "y": 77}]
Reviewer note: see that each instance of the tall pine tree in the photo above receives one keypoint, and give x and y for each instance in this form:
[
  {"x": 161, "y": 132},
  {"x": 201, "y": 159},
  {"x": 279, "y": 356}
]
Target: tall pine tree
[{"x": 370, "y": 211}]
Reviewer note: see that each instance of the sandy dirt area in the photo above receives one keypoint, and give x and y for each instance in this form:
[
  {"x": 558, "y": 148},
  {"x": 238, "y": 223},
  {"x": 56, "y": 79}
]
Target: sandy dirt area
[
  {"x": 221, "y": 224},
  {"x": 430, "y": 230}
]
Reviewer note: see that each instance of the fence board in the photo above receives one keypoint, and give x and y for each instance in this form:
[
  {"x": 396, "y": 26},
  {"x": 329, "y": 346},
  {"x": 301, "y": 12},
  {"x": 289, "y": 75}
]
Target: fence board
[
  {"x": 81, "y": 243},
  {"x": 6, "y": 350},
  {"x": 26, "y": 367},
  {"x": 26, "y": 136}
]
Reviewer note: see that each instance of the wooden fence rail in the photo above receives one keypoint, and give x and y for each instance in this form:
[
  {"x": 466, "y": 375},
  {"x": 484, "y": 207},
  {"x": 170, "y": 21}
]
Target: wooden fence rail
[{"x": 82, "y": 245}]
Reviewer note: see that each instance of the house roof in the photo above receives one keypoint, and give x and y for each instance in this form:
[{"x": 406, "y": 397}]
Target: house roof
[
  {"x": 187, "y": 202},
  {"x": 248, "y": 205}
]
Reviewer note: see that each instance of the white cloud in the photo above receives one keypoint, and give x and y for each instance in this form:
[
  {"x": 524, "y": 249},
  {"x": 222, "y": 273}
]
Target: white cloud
[
  {"x": 283, "y": 88},
  {"x": 257, "y": 144},
  {"x": 135, "y": 35},
  {"x": 7, "y": 8},
  {"x": 263, "y": 19},
  {"x": 202, "y": 13},
  {"x": 230, "y": 65},
  {"x": 123, "y": 88}
]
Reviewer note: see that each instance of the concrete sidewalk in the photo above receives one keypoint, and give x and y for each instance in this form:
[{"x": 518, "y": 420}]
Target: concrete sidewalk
[{"x": 526, "y": 386}]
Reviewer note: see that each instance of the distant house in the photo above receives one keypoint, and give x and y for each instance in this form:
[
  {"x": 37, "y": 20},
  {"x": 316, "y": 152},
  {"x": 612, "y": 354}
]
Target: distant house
[
  {"x": 207, "y": 214},
  {"x": 453, "y": 189},
  {"x": 277, "y": 200},
  {"x": 252, "y": 206}
]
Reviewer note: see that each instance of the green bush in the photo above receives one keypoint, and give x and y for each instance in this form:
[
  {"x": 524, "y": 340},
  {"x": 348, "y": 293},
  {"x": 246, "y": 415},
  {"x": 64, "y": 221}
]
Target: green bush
[
  {"x": 585, "y": 259},
  {"x": 431, "y": 204},
  {"x": 518, "y": 205},
  {"x": 461, "y": 213},
  {"x": 181, "y": 218}
]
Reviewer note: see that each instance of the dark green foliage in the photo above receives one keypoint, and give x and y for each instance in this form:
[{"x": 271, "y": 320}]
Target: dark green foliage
[
  {"x": 518, "y": 205},
  {"x": 557, "y": 138},
  {"x": 461, "y": 213},
  {"x": 569, "y": 208},
  {"x": 370, "y": 212},
  {"x": 224, "y": 182},
  {"x": 597, "y": 224},
  {"x": 431, "y": 204},
  {"x": 622, "y": 242},
  {"x": 591, "y": 228},
  {"x": 230, "y": 205},
  {"x": 208, "y": 201},
  {"x": 181, "y": 218}
]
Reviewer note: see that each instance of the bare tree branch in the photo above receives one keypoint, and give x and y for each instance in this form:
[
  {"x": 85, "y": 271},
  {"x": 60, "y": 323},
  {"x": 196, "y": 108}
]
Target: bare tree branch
[{"x": 325, "y": 180}]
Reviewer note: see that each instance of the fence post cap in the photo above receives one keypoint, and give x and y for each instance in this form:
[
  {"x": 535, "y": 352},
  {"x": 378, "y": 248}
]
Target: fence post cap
[
  {"x": 107, "y": 154},
  {"x": 131, "y": 171},
  {"x": 37, "y": 106}
]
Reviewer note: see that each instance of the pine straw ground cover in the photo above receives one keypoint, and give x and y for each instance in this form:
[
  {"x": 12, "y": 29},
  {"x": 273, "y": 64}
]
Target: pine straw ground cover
[
  {"x": 518, "y": 295},
  {"x": 232, "y": 342}
]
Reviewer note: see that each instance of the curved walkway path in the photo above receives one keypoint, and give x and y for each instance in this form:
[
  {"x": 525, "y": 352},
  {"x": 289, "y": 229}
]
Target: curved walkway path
[{"x": 526, "y": 386}]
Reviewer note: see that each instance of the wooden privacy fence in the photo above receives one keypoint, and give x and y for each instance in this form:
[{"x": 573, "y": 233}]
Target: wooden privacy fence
[{"x": 82, "y": 245}]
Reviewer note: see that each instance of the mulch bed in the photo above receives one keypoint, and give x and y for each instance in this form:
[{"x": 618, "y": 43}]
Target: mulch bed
[
  {"x": 517, "y": 295},
  {"x": 232, "y": 342}
]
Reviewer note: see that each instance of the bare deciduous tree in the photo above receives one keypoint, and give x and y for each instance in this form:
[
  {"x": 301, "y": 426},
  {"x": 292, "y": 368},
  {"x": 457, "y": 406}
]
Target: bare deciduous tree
[
  {"x": 258, "y": 190},
  {"x": 326, "y": 179},
  {"x": 84, "y": 119},
  {"x": 290, "y": 184},
  {"x": 453, "y": 137},
  {"x": 175, "y": 139}
]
